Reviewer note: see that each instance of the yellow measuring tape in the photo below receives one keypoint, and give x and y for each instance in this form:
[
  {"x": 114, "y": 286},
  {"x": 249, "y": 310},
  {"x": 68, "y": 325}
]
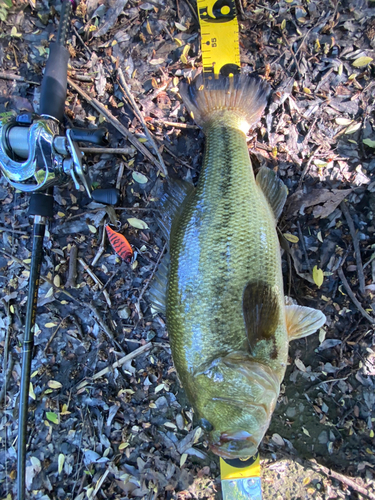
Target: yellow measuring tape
[
  {"x": 241, "y": 480},
  {"x": 219, "y": 32}
]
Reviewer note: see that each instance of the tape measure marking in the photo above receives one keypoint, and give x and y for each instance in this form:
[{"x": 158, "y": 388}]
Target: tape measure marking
[{"x": 219, "y": 37}]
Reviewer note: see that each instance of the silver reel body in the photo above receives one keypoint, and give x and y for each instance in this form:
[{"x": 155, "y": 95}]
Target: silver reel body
[{"x": 33, "y": 156}]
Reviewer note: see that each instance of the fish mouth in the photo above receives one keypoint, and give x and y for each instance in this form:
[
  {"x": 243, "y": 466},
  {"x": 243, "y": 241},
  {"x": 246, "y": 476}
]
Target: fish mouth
[{"x": 240, "y": 444}]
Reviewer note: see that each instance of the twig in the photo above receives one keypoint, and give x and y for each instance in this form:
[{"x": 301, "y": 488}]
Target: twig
[
  {"x": 119, "y": 175},
  {"x": 353, "y": 297},
  {"x": 105, "y": 327},
  {"x": 81, "y": 78},
  {"x": 176, "y": 124},
  {"x": 292, "y": 52},
  {"x": 82, "y": 304},
  {"x": 96, "y": 279},
  {"x": 192, "y": 10},
  {"x": 116, "y": 364},
  {"x": 115, "y": 123},
  {"x": 72, "y": 273},
  {"x": 7, "y": 335},
  {"x": 56, "y": 288},
  {"x": 313, "y": 464},
  {"x": 148, "y": 281},
  {"x": 306, "y": 169},
  {"x": 54, "y": 334},
  {"x": 11, "y": 76},
  {"x": 7, "y": 374},
  {"x": 144, "y": 209},
  {"x": 369, "y": 261},
  {"x": 10, "y": 230},
  {"x": 124, "y": 87},
  {"x": 100, "y": 250},
  {"x": 345, "y": 480},
  {"x": 99, "y": 485},
  {"x": 302, "y": 240},
  {"x": 112, "y": 151},
  {"x": 80, "y": 39},
  {"x": 176, "y": 157},
  {"x": 357, "y": 250}
]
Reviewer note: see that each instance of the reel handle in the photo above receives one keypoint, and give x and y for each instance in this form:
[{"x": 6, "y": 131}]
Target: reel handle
[{"x": 97, "y": 136}]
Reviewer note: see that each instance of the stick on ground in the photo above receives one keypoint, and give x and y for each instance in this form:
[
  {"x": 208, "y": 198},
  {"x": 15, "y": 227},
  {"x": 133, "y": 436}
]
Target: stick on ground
[
  {"x": 124, "y": 87},
  {"x": 357, "y": 250},
  {"x": 115, "y": 122},
  {"x": 116, "y": 364},
  {"x": 353, "y": 297}
]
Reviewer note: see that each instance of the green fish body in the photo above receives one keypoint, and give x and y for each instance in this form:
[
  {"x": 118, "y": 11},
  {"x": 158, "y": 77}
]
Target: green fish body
[{"x": 228, "y": 324}]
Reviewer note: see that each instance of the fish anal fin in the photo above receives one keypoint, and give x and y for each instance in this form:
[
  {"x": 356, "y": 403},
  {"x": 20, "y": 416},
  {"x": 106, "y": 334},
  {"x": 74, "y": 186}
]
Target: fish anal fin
[
  {"x": 261, "y": 309},
  {"x": 171, "y": 203},
  {"x": 273, "y": 189},
  {"x": 158, "y": 289},
  {"x": 303, "y": 321}
]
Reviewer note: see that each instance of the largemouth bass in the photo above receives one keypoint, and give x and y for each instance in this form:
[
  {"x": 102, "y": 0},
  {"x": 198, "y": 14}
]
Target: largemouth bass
[{"x": 228, "y": 324}]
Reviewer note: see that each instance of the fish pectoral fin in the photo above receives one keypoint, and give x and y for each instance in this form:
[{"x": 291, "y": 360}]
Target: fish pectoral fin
[
  {"x": 302, "y": 321},
  {"x": 171, "y": 204},
  {"x": 158, "y": 289},
  {"x": 261, "y": 311},
  {"x": 273, "y": 189}
]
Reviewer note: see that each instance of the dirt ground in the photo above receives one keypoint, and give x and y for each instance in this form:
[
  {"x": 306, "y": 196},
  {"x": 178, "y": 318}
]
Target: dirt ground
[{"x": 129, "y": 432}]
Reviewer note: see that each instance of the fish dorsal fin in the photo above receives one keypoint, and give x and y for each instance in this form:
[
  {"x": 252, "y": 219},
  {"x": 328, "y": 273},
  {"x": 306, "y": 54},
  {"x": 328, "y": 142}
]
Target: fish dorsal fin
[
  {"x": 273, "y": 189},
  {"x": 170, "y": 204},
  {"x": 261, "y": 311},
  {"x": 158, "y": 289},
  {"x": 303, "y": 321}
]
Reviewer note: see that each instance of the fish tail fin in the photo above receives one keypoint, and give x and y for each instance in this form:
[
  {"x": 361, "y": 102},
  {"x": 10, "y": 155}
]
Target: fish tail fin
[{"x": 243, "y": 95}]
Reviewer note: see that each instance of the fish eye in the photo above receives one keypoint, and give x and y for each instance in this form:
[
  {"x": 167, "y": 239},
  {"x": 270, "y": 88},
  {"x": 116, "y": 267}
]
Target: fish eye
[{"x": 205, "y": 424}]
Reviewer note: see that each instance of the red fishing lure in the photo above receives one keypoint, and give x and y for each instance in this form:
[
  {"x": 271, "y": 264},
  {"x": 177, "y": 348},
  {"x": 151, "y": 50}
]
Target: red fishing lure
[{"x": 119, "y": 244}]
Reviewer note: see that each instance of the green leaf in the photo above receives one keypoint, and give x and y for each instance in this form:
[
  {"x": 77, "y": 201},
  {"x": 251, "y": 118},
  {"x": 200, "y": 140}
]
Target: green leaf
[
  {"x": 369, "y": 143},
  {"x": 318, "y": 276},
  {"x": 362, "y": 61},
  {"x": 52, "y": 417},
  {"x": 140, "y": 178}
]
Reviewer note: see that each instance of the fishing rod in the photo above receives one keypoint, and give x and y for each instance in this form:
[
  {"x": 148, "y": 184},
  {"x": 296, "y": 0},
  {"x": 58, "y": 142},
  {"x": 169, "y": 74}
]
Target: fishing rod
[{"x": 35, "y": 156}]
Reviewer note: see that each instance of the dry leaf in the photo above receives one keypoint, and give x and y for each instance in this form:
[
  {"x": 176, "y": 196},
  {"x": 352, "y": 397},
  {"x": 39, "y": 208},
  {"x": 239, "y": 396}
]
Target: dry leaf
[
  {"x": 31, "y": 392},
  {"x": 353, "y": 128},
  {"x": 137, "y": 223},
  {"x": 362, "y": 61},
  {"x": 61, "y": 461},
  {"x": 343, "y": 121},
  {"x": 330, "y": 198},
  {"x": 318, "y": 276},
  {"x": 54, "y": 384},
  {"x": 291, "y": 237},
  {"x": 300, "y": 365}
]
